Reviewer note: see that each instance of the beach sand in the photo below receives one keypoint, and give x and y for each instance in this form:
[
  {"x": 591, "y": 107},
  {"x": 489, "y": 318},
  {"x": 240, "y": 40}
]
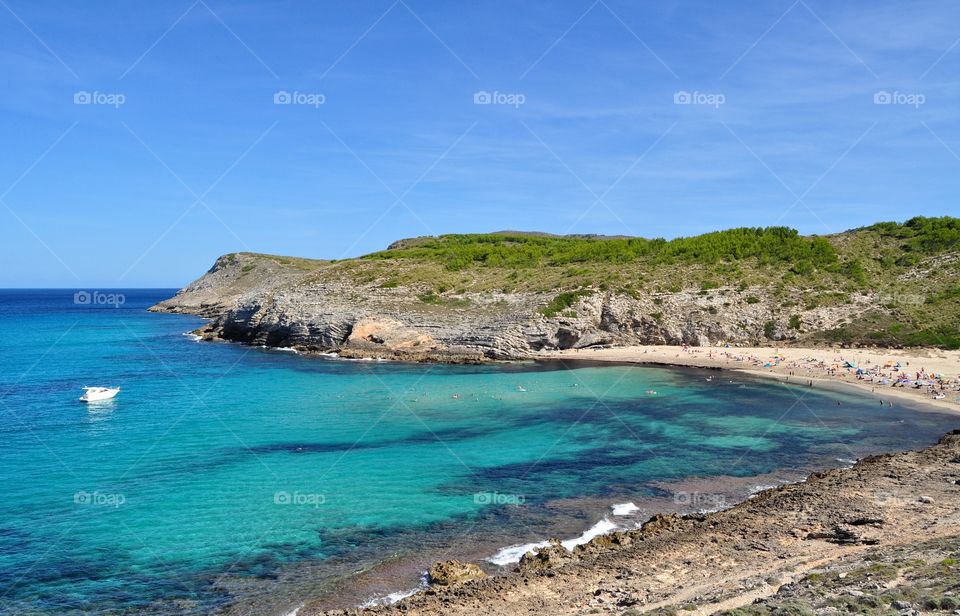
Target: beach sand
[{"x": 821, "y": 366}]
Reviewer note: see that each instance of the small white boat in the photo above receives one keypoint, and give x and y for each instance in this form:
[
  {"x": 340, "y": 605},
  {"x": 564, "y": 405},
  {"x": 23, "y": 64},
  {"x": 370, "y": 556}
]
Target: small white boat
[{"x": 96, "y": 394}]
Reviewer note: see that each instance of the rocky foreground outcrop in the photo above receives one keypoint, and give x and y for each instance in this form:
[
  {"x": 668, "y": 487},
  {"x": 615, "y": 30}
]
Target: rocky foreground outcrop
[
  {"x": 281, "y": 302},
  {"x": 882, "y": 537},
  {"x": 453, "y": 572}
]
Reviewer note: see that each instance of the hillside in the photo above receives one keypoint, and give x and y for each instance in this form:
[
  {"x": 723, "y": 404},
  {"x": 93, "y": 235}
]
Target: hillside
[{"x": 511, "y": 294}]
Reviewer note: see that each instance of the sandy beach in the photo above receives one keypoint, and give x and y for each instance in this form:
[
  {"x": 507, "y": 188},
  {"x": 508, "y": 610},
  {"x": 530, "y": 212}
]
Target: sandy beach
[{"x": 937, "y": 371}]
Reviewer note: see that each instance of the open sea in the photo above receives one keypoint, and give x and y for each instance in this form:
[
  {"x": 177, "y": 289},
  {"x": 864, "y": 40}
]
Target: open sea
[{"x": 234, "y": 480}]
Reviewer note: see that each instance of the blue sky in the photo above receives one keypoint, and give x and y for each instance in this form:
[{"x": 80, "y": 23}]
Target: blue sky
[{"x": 818, "y": 115}]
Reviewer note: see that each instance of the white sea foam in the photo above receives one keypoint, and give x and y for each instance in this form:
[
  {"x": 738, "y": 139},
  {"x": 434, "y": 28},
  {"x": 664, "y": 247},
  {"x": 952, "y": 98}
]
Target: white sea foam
[
  {"x": 337, "y": 357},
  {"x": 846, "y": 461},
  {"x": 279, "y": 349},
  {"x": 602, "y": 527},
  {"x": 624, "y": 509},
  {"x": 396, "y": 596},
  {"x": 193, "y": 336},
  {"x": 389, "y": 599},
  {"x": 512, "y": 554},
  {"x": 296, "y": 611}
]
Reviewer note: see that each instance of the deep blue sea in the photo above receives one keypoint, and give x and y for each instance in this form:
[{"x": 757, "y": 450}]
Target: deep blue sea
[{"x": 233, "y": 479}]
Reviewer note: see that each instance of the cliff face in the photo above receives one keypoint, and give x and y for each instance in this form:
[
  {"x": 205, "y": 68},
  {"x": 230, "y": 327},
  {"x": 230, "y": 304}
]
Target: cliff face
[{"x": 311, "y": 306}]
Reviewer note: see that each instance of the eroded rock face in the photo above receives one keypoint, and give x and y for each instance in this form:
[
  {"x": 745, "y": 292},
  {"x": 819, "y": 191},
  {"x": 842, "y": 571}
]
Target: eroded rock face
[
  {"x": 372, "y": 332},
  {"x": 453, "y": 572},
  {"x": 256, "y": 300}
]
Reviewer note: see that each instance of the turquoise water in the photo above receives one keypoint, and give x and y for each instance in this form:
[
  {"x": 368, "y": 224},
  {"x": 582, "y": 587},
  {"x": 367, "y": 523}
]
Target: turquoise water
[{"x": 220, "y": 467}]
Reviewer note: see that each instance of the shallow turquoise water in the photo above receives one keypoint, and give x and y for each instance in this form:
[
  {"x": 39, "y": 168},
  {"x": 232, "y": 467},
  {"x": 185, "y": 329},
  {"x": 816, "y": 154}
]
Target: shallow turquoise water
[{"x": 225, "y": 462}]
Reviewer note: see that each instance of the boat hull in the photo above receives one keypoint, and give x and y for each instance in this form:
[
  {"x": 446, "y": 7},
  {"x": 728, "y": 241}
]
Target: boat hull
[{"x": 99, "y": 395}]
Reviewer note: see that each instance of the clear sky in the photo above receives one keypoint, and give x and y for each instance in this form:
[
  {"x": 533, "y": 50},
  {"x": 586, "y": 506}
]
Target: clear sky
[{"x": 143, "y": 139}]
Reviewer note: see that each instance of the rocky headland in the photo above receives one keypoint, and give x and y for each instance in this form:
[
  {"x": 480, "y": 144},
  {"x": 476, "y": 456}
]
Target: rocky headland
[{"x": 512, "y": 296}]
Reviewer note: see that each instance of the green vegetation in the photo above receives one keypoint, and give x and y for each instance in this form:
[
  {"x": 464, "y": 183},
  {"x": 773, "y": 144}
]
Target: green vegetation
[
  {"x": 769, "y": 329},
  {"x": 922, "y": 236},
  {"x": 769, "y": 245},
  {"x": 899, "y": 281},
  {"x": 561, "y": 302}
]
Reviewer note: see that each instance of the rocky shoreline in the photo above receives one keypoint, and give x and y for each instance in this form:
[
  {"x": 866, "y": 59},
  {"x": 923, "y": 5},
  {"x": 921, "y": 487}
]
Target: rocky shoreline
[{"x": 880, "y": 537}]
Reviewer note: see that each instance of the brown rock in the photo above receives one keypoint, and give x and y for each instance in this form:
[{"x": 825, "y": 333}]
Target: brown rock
[
  {"x": 453, "y": 572},
  {"x": 660, "y": 522},
  {"x": 544, "y": 558}
]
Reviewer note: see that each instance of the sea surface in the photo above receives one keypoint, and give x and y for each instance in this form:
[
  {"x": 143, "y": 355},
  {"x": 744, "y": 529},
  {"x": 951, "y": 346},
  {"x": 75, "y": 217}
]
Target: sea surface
[{"x": 232, "y": 479}]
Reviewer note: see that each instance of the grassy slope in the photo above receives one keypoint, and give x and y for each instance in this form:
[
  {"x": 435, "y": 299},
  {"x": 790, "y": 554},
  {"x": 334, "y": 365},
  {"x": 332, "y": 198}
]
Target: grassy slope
[{"x": 914, "y": 266}]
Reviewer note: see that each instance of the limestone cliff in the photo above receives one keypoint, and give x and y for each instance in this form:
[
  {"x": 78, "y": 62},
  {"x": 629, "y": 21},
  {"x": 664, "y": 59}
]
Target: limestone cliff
[{"x": 274, "y": 301}]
